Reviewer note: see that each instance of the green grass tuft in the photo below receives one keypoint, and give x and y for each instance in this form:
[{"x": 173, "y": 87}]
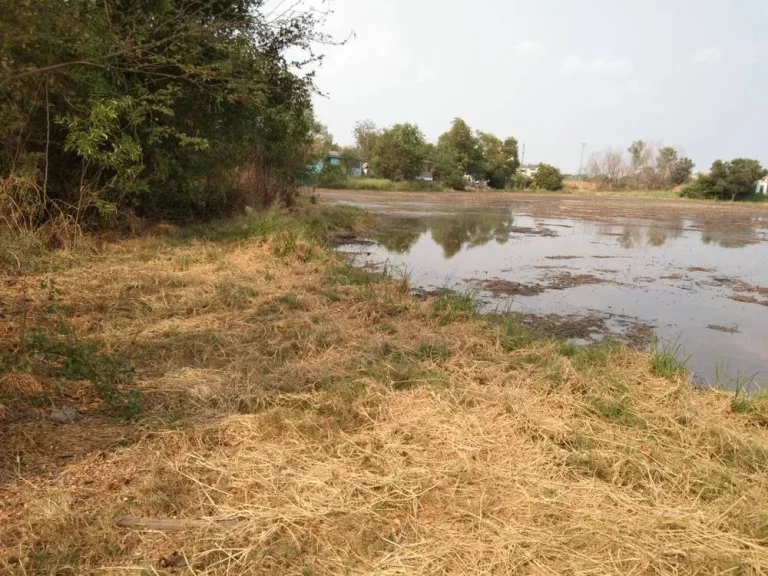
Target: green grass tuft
[
  {"x": 235, "y": 295},
  {"x": 616, "y": 409},
  {"x": 754, "y": 405},
  {"x": 292, "y": 301},
  {"x": 319, "y": 223},
  {"x": 349, "y": 275},
  {"x": 433, "y": 350},
  {"x": 452, "y": 305},
  {"x": 514, "y": 335}
]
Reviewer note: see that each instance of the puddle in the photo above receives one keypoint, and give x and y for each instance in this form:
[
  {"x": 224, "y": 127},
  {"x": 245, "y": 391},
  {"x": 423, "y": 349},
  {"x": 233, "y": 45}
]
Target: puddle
[{"x": 688, "y": 272}]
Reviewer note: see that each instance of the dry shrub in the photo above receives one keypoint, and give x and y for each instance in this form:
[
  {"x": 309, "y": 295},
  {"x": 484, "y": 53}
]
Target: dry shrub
[
  {"x": 22, "y": 202},
  {"x": 256, "y": 186},
  {"x": 579, "y": 185}
]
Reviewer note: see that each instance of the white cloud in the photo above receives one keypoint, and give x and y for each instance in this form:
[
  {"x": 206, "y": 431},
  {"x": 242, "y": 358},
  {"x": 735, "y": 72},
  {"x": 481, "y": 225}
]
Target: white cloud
[
  {"x": 712, "y": 54},
  {"x": 528, "y": 48},
  {"x": 602, "y": 67}
]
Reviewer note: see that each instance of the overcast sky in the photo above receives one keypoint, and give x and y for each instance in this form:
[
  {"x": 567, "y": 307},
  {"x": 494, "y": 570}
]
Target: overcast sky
[{"x": 556, "y": 73}]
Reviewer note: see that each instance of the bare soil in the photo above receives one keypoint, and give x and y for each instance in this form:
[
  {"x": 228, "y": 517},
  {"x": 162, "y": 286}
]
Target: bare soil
[
  {"x": 562, "y": 280},
  {"x": 724, "y": 329},
  {"x": 592, "y": 327},
  {"x": 721, "y": 215}
]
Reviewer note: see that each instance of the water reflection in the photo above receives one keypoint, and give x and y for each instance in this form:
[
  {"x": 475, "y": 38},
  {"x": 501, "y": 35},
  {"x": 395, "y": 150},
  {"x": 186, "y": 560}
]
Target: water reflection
[
  {"x": 453, "y": 233},
  {"x": 663, "y": 274},
  {"x": 636, "y": 236},
  {"x": 456, "y": 232},
  {"x": 736, "y": 239}
]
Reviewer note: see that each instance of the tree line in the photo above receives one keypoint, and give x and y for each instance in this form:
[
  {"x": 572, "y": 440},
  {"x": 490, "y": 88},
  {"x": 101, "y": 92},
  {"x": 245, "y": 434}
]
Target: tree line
[
  {"x": 652, "y": 167},
  {"x": 460, "y": 157},
  {"x": 171, "y": 108},
  {"x": 645, "y": 166}
]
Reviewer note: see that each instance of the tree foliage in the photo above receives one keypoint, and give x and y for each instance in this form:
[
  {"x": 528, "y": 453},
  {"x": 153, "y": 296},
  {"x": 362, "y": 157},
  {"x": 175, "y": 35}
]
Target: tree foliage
[
  {"x": 322, "y": 141},
  {"x": 500, "y": 159},
  {"x": 366, "y": 134},
  {"x": 548, "y": 177},
  {"x": 728, "y": 180},
  {"x": 399, "y": 152},
  {"x": 154, "y": 106},
  {"x": 482, "y": 156},
  {"x": 458, "y": 153}
]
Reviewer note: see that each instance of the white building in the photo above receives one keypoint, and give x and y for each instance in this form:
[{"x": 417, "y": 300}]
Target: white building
[
  {"x": 762, "y": 186},
  {"x": 528, "y": 169}
]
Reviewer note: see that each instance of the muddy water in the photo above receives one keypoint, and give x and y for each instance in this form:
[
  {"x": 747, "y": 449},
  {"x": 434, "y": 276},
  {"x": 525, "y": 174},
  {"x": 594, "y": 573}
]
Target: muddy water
[{"x": 590, "y": 269}]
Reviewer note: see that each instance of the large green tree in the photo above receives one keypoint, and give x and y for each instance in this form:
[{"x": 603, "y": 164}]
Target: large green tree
[
  {"x": 500, "y": 159},
  {"x": 458, "y": 152},
  {"x": 400, "y": 152},
  {"x": 152, "y": 105}
]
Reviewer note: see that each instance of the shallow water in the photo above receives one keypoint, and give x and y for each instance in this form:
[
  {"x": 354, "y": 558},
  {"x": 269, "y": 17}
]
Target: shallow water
[{"x": 612, "y": 270}]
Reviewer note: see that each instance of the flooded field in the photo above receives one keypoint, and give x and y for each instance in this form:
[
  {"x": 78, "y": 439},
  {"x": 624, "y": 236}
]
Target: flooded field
[{"x": 693, "y": 274}]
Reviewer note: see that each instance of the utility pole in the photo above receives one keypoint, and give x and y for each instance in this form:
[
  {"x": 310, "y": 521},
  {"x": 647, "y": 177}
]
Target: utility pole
[
  {"x": 581, "y": 161},
  {"x": 522, "y": 157}
]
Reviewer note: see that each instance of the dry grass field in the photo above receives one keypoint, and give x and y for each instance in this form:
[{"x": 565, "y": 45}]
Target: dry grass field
[{"x": 236, "y": 399}]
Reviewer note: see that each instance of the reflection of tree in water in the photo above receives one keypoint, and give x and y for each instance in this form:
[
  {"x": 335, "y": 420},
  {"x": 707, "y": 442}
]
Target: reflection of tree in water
[
  {"x": 633, "y": 236},
  {"x": 399, "y": 241},
  {"x": 470, "y": 229},
  {"x": 728, "y": 239},
  {"x": 732, "y": 235},
  {"x": 452, "y": 233}
]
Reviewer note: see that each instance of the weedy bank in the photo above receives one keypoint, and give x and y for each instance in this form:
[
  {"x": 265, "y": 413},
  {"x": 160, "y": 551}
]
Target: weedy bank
[{"x": 237, "y": 399}]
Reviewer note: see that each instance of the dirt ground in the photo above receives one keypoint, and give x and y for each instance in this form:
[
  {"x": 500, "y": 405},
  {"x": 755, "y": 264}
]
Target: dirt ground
[{"x": 572, "y": 205}]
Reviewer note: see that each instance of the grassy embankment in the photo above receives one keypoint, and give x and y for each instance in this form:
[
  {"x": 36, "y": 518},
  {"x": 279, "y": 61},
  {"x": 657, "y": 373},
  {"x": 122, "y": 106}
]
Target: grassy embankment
[
  {"x": 243, "y": 373},
  {"x": 384, "y": 185}
]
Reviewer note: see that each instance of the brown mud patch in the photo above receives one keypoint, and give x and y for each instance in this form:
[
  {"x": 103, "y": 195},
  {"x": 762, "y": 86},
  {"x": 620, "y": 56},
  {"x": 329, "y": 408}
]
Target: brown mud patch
[
  {"x": 745, "y": 292},
  {"x": 566, "y": 280},
  {"x": 559, "y": 281},
  {"x": 748, "y": 299},
  {"x": 533, "y": 231},
  {"x": 724, "y": 329},
  {"x": 590, "y": 328},
  {"x": 499, "y": 287}
]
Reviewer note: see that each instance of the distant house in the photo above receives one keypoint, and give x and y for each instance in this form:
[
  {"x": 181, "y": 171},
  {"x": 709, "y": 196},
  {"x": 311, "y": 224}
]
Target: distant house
[
  {"x": 333, "y": 158},
  {"x": 358, "y": 168},
  {"x": 762, "y": 186},
  {"x": 426, "y": 176},
  {"x": 528, "y": 169}
]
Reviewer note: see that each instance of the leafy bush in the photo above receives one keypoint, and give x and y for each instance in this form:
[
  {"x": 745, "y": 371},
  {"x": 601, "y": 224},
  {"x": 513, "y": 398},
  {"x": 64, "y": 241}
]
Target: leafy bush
[
  {"x": 548, "y": 178},
  {"x": 521, "y": 181},
  {"x": 727, "y": 180},
  {"x": 159, "y": 108},
  {"x": 332, "y": 177}
]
